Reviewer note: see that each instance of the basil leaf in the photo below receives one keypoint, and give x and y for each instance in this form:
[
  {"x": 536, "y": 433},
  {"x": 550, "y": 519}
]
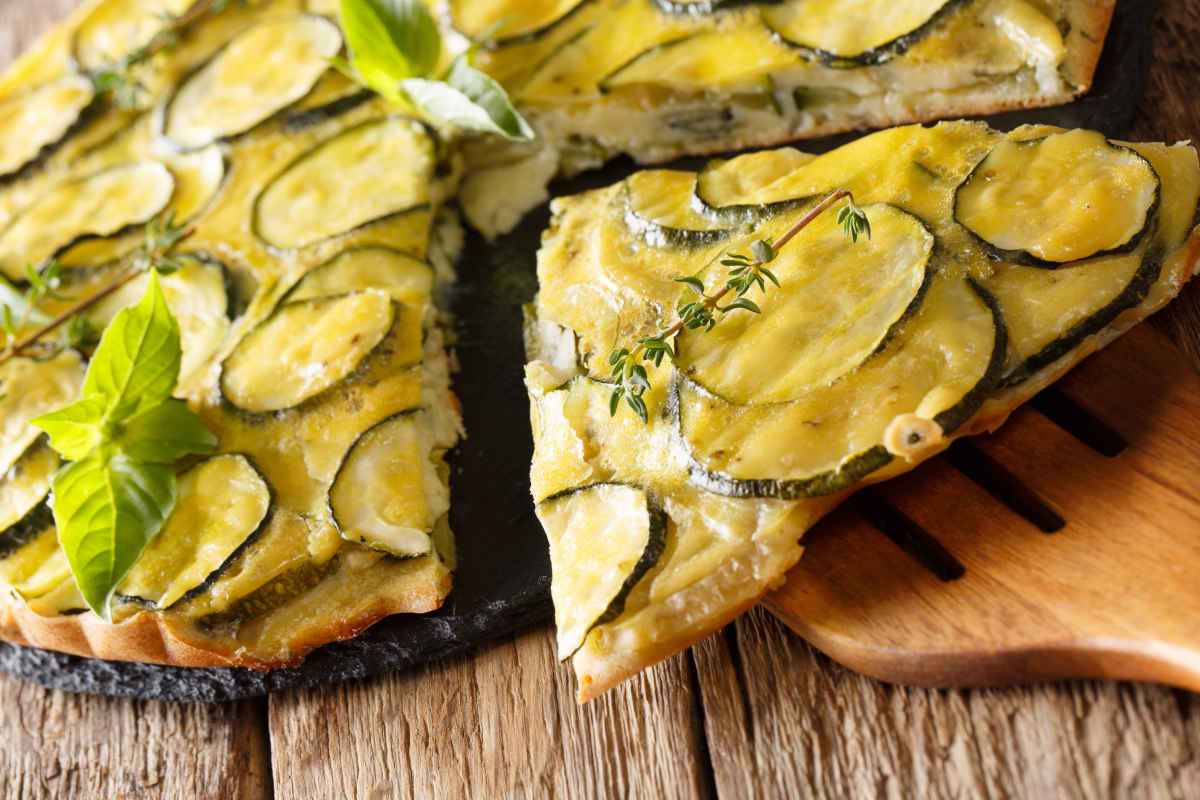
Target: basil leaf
[
  {"x": 165, "y": 433},
  {"x": 107, "y": 508},
  {"x": 390, "y": 40},
  {"x": 468, "y": 99},
  {"x": 136, "y": 364},
  {"x": 77, "y": 429}
]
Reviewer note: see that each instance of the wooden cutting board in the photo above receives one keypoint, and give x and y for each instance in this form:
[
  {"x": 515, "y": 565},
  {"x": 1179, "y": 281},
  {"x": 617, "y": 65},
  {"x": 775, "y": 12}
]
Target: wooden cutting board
[{"x": 1066, "y": 545}]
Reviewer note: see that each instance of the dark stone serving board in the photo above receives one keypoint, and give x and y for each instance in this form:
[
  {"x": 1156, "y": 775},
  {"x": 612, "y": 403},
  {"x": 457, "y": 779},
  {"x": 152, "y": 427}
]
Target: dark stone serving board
[{"x": 503, "y": 580}]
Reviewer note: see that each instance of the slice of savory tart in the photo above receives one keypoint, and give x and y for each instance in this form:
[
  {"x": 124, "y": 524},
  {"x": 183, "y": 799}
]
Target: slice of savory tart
[
  {"x": 659, "y": 78},
  {"x": 312, "y": 344},
  {"x": 994, "y": 263}
]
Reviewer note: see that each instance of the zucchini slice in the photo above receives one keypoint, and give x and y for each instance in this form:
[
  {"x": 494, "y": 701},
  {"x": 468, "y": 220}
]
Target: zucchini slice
[
  {"x": 940, "y": 367},
  {"x": 855, "y": 33},
  {"x": 698, "y": 8},
  {"x": 837, "y": 306},
  {"x": 38, "y": 567},
  {"x": 408, "y": 280},
  {"x": 305, "y": 348},
  {"x": 369, "y": 172},
  {"x": 28, "y": 389},
  {"x": 658, "y": 209},
  {"x": 201, "y": 538},
  {"x": 34, "y": 122},
  {"x": 1061, "y": 198},
  {"x": 261, "y": 71},
  {"x": 23, "y": 491},
  {"x": 724, "y": 188},
  {"x": 729, "y": 61},
  {"x": 197, "y": 294},
  {"x": 388, "y": 494},
  {"x": 198, "y": 176},
  {"x": 116, "y": 28},
  {"x": 1049, "y": 313},
  {"x": 603, "y": 539},
  {"x": 101, "y": 204},
  {"x": 499, "y": 23}
]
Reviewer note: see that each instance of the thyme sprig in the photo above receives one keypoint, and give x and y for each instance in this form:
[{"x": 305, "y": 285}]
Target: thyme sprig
[
  {"x": 703, "y": 311},
  {"x": 162, "y": 236},
  {"x": 119, "y": 80}
]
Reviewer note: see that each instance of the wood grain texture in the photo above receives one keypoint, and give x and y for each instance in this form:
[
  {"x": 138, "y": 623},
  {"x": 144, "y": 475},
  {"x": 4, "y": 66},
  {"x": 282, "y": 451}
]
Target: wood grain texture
[
  {"x": 1110, "y": 593},
  {"x": 499, "y": 723},
  {"x": 60, "y": 745},
  {"x": 784, "y": 721},
  {"x": 779, "y": 719}
]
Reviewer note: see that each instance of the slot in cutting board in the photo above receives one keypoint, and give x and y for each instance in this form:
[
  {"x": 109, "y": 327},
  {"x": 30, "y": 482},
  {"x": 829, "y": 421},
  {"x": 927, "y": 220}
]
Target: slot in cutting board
[{"x": 1066, "y": 545}]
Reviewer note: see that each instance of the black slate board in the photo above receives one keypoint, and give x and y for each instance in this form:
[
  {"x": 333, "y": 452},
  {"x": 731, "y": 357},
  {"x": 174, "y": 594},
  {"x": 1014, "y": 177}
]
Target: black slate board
[{"x": 503, "y": 579}]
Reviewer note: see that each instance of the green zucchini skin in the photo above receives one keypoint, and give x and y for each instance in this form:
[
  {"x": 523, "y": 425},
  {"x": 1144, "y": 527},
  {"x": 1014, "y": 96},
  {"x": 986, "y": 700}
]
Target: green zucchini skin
[
  {"x": 380, "y": 351},
  {"x": 655, "y": 233},
  {"x": 271, "y": 595},
  {"x": 656, "y": 545},
  {"x": 604, "y": 85},
  {"x": 90, "y": 237},
  {"x": 1132, "y": 295},
  {"x": 26, "y": 529},
  {"x": 1027, "y": 259},
  {"x": 521, "y": 38},
  {"x": 876, "y": 55},
  {"x": 407, "y": 412},
  {"x": 229, "y": 562},
  {"x": 255, "y": 212},
  {"x": 864, "y": 463},
  {"x": 296, "y": 121},
  {"x": 705, "y": 8},
  {"x": 89, "y": 114},
  {"x": 850, "y": 472}
]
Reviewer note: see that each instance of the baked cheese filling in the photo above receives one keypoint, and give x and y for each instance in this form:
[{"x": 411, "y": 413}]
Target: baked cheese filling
[
  {"x": 995, "y": 262},
  {"x": 312, "y": 345},
  {"x": 657, "y": 78}
]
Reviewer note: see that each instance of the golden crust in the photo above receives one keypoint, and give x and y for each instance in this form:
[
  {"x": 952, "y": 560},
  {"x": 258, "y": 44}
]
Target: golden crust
[
  {"x": 1089, "y": 22},
  {"x": 597, "y": 674},
  {"x": 152, "y": 638}
]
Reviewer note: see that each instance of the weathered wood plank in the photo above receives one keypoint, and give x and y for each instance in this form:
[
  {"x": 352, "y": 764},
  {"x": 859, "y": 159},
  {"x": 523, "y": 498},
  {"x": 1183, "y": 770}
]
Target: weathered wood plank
[
  {"x": 784, "y": 721},
  {"x": 501, "y": 722},
  {"x": 60, "y": 745}
]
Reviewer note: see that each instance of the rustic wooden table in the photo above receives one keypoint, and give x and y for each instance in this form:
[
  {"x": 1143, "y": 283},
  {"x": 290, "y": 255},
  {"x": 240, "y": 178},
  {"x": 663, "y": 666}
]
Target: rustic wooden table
[{"x": 752, "y": 712}]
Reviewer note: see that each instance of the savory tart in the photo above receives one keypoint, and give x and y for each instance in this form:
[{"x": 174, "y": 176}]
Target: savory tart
[
  {"x": 312, "y": 345},
  {"x": 995, "y": 263},
  {"x": 659, "y": 78}
]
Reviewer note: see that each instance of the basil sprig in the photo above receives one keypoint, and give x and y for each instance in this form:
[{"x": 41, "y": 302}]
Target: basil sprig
[
  {"x": 395, "y": 47},
  {"x": 122, "y": 439}
]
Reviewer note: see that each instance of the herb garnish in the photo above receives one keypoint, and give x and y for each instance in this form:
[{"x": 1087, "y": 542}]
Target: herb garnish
[
  {"x": 122, "y": 439},
  {"x": 119, "y": 79},
  {"x": 17, "y": 310},
  {"x": 395, "y": 47},
  {"x": 698, "y": 310}
]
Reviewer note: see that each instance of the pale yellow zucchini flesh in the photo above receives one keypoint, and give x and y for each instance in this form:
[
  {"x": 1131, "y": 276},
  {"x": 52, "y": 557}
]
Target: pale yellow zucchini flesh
[
  {"x": 307, "y": 305},
  {"x": 37, "y": 119},
  {"x": 365, "y": 174},
  {"x": 1061, "y": 198},
  {"x": 868, "y": 357},
  {"x": 200, "y": 536},
  {"x": 263, "y": 70},
  {"x": 603, "y": 538},
  {"x": 98, "y": 205},
  {"x": 305, "y": 348},
  {"x": 387, "y": 493}
]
